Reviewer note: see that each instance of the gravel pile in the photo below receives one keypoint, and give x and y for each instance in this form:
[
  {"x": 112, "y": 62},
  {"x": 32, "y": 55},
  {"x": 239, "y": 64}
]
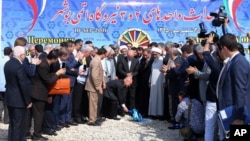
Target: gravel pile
[{"x": 113, "y": 130}]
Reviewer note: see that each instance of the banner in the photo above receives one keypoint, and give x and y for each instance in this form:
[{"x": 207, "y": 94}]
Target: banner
[{"x": 106, "y": 22}]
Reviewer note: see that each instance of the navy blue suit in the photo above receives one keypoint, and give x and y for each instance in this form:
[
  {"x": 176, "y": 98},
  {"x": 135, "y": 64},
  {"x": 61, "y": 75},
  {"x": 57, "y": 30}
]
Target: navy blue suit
[
  {"x": 234, "y": 85},
  {"x": 71, "y": 63},
  {"x": 17, "y": 98}
]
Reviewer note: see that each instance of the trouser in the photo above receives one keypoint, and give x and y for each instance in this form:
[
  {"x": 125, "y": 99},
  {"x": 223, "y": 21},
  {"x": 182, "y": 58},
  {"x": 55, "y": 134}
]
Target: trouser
[
  {"x": 77, "y": 100},
  {"x": 38, "y": 115},
  {"x": 29, "y": 121},
  {"x": 66, "y": 108},
  {"x": 56, "y": 109},
  {"x": 93, "y": 104},
  {"x": 174, "y": 104},
  {"x": 210, "y": 121},
  {"x": 222, "y": 135},
  {"x": 4, "y": 109},
  {"x": 1, "y": 103},
  {"x": 166, "y": 114},
  {"x": 17, "y": 124},
  {"x": 99, "y": 105},
  {"x": 109, "y": 108},
  {"x": 48, "y": 121},
  {"x": 130, "y": 97}
]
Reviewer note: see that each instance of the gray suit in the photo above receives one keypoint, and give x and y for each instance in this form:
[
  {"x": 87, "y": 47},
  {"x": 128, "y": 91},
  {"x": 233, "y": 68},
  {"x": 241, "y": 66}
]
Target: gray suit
[{"x": 203, "y": 77}]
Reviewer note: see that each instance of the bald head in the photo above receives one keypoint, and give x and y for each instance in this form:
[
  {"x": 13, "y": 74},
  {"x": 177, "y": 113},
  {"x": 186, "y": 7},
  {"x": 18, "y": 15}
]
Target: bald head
[
  {"x": 131, "y": 54},
  {"x": 128, "y": 81},
  {"x": 19, "y": 52}
]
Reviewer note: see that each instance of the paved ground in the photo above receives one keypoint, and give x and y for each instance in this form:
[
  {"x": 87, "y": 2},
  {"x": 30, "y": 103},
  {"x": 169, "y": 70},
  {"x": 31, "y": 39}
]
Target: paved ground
[{"x": 112, "y": 130}]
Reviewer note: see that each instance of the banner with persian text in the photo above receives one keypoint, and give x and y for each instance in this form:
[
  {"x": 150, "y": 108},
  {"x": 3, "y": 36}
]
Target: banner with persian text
[{"x": 117, "y": 21}]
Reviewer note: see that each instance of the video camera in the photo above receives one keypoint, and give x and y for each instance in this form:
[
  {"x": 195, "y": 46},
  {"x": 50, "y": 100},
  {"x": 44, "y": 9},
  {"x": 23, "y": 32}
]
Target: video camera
[
  {"x": 219, "y": 18},
  {"x": 203, "y": 34}
]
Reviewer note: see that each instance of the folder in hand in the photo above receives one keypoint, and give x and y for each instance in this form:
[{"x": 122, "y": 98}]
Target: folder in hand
[{"x": 226, "y": 117}]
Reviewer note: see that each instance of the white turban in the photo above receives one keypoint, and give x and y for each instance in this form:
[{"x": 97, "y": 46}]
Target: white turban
[
  {"x": 156, "y": 49},
  {"x": 123, "y": 47}
]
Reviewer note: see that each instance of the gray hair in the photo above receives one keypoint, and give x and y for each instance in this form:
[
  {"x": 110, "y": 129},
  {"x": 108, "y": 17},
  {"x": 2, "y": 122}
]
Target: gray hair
[
  {"x": 86, "y": 47},
  {"x": 18, "y": 51},
  {"x": 48, "y": 46},
  {"x": 169, "y": 44},
  {"x": 198, "y": 49},
  {"x": 114, "y": 46}
]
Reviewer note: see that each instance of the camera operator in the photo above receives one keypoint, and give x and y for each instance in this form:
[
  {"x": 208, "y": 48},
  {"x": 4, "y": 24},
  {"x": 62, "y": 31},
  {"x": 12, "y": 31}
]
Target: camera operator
[{"x": 215, "y": 63}]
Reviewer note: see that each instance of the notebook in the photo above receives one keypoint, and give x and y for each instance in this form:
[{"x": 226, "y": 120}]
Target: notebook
[{"x": 227, "y": 117}]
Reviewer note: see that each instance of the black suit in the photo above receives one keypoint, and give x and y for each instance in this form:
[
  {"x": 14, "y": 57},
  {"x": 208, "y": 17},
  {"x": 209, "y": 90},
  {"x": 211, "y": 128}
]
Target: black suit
[
  {"x": 42, "y": 55},
  {"x": 166, "y": 114},
  {"x": 41, "y": 81},
  {"x": 123, "y": 70},
  {"x": 17, "y": 98},
  {"x": 120, "y": 57},
  {"x": 113, "y": 94},
  {"x": 143, "y": 91}
]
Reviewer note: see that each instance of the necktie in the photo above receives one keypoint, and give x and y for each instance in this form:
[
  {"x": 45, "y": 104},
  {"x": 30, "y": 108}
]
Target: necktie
[{"x": 129, "y": 64}]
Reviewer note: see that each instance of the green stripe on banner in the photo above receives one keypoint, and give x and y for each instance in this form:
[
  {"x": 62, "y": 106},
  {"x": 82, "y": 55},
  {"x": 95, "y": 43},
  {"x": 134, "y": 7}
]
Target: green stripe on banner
[{"x": 226, "y": 6}]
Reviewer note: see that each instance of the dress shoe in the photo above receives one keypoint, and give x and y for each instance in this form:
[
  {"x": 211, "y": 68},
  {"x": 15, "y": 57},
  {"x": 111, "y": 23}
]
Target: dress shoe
[
  {"x": 71, "y": 123},
  {"x": 101, "y": 119},
  {"x": 121, "y": 113},
  {"x": 39, "y": 138},
  {"x": 28, "y": 135},
  {"x": 49, "y": 132},
  {"x": 80, "y": 121},
  {"x": 171, "y": 121},
  {"x": 57, "y": 128},
  {"x": 94, "y": 124},
  {"x": 64, "y": 125},
  {"x": 115, "y": 118}
]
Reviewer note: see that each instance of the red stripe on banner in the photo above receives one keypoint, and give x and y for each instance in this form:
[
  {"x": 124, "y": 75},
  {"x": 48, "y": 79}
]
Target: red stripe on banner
[
  {"x": 33, "y": 5},
  {"x": 235, "y": 6}
]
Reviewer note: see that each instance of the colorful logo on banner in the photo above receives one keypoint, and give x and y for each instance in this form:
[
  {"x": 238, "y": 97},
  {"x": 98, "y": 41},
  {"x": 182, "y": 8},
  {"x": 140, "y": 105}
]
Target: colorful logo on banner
[
  {"x": 231, "y": 7},
  {"x": 38, "y": 7}
]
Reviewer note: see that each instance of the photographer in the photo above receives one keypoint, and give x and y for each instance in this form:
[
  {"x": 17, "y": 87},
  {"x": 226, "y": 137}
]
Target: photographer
[
  {"x": 190, "y": 112},
  {"x": 215, "y": 64}
]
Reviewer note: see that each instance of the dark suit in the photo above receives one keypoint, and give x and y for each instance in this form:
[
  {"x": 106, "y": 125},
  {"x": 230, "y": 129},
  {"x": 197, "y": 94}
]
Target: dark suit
[
  {"x": 117, "y": 89},
  {"x": 71, "y": 63},
  {"x": 42, "y": 55},
  {"x": 30, "y": 70},
  {"x": 120, "y": 57},
  {"x": 166, "y": 114},
  {"x": 123, "y": 69},
  {"x": 60, "y": 109},
  {"x": 41, "y": 81},
  {"x": 234, "y": 85},
  {"x": 17, "y": 98},
  {"x": 143, "y": 91},
  {"x": 193, "y": 88},
  {"x": 176, "y": 78},
  {"x": 113, "y": 94}
]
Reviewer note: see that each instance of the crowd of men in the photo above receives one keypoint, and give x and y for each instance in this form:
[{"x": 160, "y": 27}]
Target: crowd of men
[{"x": 160, "y": 81}]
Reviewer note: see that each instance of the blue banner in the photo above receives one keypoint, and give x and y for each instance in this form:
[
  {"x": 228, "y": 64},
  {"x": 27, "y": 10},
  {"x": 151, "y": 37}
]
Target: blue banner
[{"x": 117, "y": 21}]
